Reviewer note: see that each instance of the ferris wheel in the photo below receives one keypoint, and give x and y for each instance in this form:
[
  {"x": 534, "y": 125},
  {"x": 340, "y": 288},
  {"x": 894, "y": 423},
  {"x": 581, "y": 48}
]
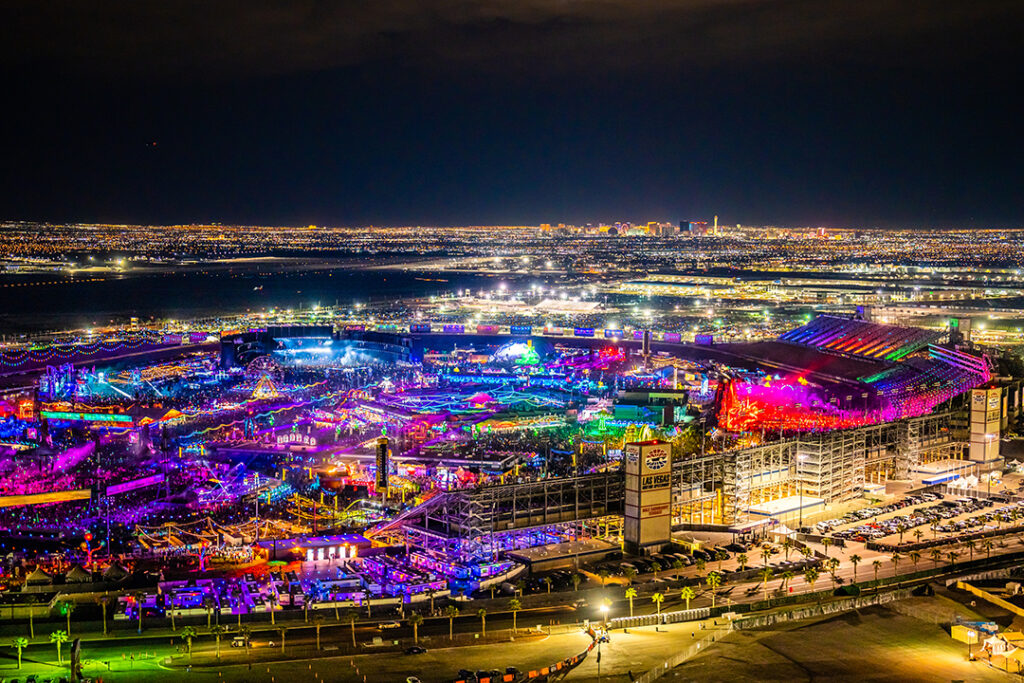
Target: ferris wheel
[{"x": 263, "y": 366}]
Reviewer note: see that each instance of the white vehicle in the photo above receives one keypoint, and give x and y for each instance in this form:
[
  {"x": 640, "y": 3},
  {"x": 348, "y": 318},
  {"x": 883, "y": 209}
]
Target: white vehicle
[{"x": 387, "y": 624}]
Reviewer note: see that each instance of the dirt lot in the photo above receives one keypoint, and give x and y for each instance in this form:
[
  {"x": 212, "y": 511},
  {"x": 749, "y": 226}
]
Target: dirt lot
[{"x": 876, "y": 644}]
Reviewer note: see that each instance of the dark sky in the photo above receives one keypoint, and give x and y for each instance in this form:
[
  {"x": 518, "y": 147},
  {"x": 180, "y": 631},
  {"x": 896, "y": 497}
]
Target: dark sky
[{"x": 798, "y": 112}]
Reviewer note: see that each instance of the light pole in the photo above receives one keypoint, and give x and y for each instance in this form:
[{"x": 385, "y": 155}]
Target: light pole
[{"x": 604, "y": 629}]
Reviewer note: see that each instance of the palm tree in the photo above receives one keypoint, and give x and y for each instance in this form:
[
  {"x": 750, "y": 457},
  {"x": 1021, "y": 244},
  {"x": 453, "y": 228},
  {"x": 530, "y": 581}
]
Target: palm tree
[
  {"x": 895, "y": 559},
  {"x": 987, "y": 545},
  {"x": 30, "y": 600},
  {"x": 742, "y": 559},
  {"x": 936, "y": 555},
  {"x": 876, "y": 565},
  {"x": 833, "y": 565},
  {"x": 971, "y": 544},
  {"x": 657, "y": 599},
  {"x": 547, "y": 580},
  {"x": 810, "y": 576},
  {"x": 576, "y": 578},
  {"x": 918, "y": 535},
  {"x": 630, "y": 594},
  {"x": 678, "y": 564},
  {"x": 915, "y": 557},
  {"x": 806, "y": 551},
  {"x": 787, "y": 576},
  {"x": 701, "y": 565},
  {"x": 826, "y": 542},
  {"x": 901, "y": 528},
  {"x": 451, "y": 612},
  {"x": 67, "y": 607},
  {"x": 169, "y": 609},
  {"x": 415, "y": 619},
  {"x": 19, "y": 644},
  {"x": 952, "y": 555},
  {"x": 603, "y": 573},
  {"x": 139, "y": 598},
  {"x": 855, "y": 560},
  {"x": 217, "y": 632},
  {"x": 482, "y": 613},
  {"x": 188, "y": 633},
  {"x": 656, "y": 566},
  {"x": 103, "y": 601},
  {"x": 271, "y": 605},
  {"x": 283, "y": 630},
  {"x": 318, "y": 622},
  {"x": 714, "y": 581},
  {"x": 351, "y": 616},
  {"x": 766, "y": 575},
  {"x": 787, "y": 545},
  {"x": 766, "y": 553},
  {"x": 720, "y": 555},
  {"x": 246, "y": 633},
  {"x": 515, "y": 606},
  {"x": 687, "y": 594},
  {"x": 59, "y": 637}
]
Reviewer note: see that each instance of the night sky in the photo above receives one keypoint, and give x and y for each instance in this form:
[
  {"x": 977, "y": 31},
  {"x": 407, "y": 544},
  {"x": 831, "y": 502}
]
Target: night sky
[{"x": 448, "y": 112}]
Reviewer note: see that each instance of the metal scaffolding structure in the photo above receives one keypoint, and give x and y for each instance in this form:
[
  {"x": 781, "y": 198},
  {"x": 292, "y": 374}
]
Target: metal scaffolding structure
[
  {"x": 833, "y": 466},
  {"x": 482, "y": 521}
]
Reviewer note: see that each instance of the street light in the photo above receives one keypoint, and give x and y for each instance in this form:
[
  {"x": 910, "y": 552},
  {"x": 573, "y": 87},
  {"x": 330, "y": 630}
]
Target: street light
[{"x": 600, "y": 637}]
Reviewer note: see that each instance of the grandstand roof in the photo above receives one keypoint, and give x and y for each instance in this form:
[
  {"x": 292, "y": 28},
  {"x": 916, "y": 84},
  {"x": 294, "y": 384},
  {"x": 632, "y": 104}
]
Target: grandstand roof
[{"x": 861, "y": 338}]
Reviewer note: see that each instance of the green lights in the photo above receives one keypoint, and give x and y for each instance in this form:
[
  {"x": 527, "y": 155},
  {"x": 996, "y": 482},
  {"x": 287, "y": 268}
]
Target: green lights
[{"x": 85, "y": 417}]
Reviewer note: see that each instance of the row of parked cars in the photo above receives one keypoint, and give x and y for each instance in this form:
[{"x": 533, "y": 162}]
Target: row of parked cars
[
  {"x": 667, "y": 560},
  {"x": 878, "y": 529},
  {"x": 979, "y": 521}
]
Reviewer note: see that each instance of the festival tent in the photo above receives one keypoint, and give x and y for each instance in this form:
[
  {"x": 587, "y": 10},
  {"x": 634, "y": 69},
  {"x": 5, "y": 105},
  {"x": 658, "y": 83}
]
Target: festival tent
[
  {"x": 38, "y": 578},
  {"x": 77, "y": 575},
  {"x": 994, "y": 645},
  {"x": 115, "y": 572},
  {"x": 783, "y": 530},
  {"x": 1012, "y": 639},
  {"x": 172, "y": 414},
  {"x": 1013, "y": 662}
]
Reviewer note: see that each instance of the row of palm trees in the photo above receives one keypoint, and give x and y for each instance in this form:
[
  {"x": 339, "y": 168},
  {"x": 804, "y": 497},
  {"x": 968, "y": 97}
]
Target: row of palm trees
[{"x": 57, "y": 637}]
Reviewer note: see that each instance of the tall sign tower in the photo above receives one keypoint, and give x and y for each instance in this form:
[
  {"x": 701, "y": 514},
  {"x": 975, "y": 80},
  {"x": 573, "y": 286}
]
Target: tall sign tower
[
  {"x": 986, "y": 419},
  {"x": 382, "y": 467},
  {"x": 648, "y": 510}
]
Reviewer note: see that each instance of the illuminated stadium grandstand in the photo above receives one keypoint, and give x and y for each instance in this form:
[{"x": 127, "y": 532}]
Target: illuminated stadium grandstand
[
  {"x": 861, "y": 338},
  {"x": 836, "y": 373}
]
